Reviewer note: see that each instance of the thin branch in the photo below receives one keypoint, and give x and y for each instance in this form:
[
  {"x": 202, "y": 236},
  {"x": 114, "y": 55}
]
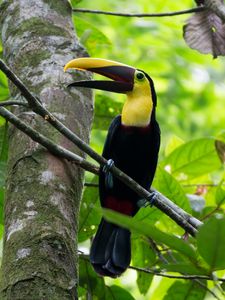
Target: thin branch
[
  {"x": 161, "y": 274},
  {"x": 48, "y": 144},
  {"x": 91, "y": 184},
  {"x": 186, "y": 277},
  {"x": 12, "y": 102},
  {"x": 155, "y": 248},
  {"x": 200, "y": 184},
  {"x": 183, "y": 219},
  {"x": 167, "y": 14}
]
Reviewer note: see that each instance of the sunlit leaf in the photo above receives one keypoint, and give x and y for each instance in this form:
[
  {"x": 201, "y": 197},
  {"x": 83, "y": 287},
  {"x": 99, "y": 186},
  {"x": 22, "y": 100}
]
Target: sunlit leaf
[
  {"x": 90, "y": 35},
  {"x": 184, "y": 268},
  {"x": 4, "y": 91},
  {"x": 88, "y": 219},
  {"x": 143, "y": 256},
  {"x": 75, "y": 2},
  {"x": 170, "y": 187},
  {"x": 172, "y": 144},
  {"x": 150, "y": 231},
  {"x": 188, "y": 290},
  {"x": 194, "y": 158},
  {"x": 220, "y": 194},
  {"x": 211, "y": 242},
  {"x": 106, "y": 108}
]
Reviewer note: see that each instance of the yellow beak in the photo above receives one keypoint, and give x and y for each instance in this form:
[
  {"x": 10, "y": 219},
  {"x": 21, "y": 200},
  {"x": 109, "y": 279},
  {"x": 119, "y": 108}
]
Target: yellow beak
[{"x": 121, "y": 74}]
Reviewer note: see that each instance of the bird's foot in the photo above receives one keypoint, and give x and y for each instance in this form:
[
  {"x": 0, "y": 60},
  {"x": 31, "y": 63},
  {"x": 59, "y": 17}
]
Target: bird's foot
[
  {"x": 152, "y": 197},
  {"x": 142, "y": 203},
  {"x": 146, "y": 202},
  {"x": 107, "y": 167},
  {"x": 108, "y": 175}
]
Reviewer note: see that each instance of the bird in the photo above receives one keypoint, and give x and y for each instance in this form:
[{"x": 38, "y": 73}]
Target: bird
[{"x": 132, "y": 144}]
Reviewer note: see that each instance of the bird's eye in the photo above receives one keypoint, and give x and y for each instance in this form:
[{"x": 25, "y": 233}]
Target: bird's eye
[{"x": 140, "y": 76}]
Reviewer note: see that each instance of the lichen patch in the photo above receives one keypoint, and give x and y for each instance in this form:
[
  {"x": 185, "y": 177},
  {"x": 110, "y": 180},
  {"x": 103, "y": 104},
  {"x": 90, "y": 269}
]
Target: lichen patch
[
  {"x": 46, "y": 177},
  {"x": 16, "y": 225},
  {"x": 29, "y": 203},
  {"x": 22, "y": 253}
]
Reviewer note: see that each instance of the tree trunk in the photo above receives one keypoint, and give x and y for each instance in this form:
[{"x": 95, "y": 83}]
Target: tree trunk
[{"x": 42, "y": 192}]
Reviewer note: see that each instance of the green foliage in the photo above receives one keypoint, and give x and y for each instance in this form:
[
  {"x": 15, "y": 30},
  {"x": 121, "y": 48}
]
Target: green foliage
[
  {"x": 88, "y": 219},
  {"x": 90, "y": 35},
  {"x": 96, "y": 286},
  {"x": 190, "y": 110},
  {"x": 170, "y": 187},
  {"x": 151, "y": 231},
  {"x": 143, "y": 256},
  {"x": 190, "y": 89},
  {"x": 194, "y": 159},
  {"x": 185, "y": 291},
  {"x": 211, "y": 242}
]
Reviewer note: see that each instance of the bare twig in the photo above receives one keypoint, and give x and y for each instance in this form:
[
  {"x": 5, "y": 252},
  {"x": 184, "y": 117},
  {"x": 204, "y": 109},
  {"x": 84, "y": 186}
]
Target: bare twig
[
  {"x": 162, "y": 274},
  {"x": 187, "y": 277},
  {"x": 91, "y": 184},
  {"x": 167, "y": 14},
  {"x": 183, "y": 219},
  {"x": 12, "y": 102}
]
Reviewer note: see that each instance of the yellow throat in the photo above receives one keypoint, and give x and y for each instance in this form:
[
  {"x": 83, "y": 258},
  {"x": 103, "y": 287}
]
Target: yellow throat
[{"x": 138, "y": 106}]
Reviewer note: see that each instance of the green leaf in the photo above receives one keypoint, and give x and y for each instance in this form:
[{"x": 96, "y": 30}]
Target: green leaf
[
  {"x": 151, "y": 215},
  {"x": 89, "y": 280},
  {"x": 172, "y": 144},
  {"x": 143, "y": 256},
  {"x": 211, "y": 242},
  {"x": 115, "y": 292},
  {"x": 106, "y": 108},
  {"x": 75, "y": 2},
  {"x": 184, "y": 268},
  {"x": 150, "y": 231},
  {"x": 170, "y": 187},
  {"x": 90, "y": 36},
  {"x": 95, "y": 284},
  {"x": 88, "y": 219},
  {"x": 4, "y": 91},
  {"x": 194, "y": 158},
  {"x": 220, "y": 194},
  {"x": 188, "y": 290}
]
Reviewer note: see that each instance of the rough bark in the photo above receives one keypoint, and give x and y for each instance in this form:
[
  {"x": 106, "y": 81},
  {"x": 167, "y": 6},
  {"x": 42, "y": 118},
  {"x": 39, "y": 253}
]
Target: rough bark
[{"x": 42, "y": 193}]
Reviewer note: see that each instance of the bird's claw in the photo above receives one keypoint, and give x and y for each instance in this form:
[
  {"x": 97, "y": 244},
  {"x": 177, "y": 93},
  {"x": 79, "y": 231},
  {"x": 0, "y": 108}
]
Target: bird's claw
[
  {"x": 107, "y": 167},
  {"x": 151, "y": 199},
  {"x": 146, "y": 202},
  {"x": 108, "y": 175}
]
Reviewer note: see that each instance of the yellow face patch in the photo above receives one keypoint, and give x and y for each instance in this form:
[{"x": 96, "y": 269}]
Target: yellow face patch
[{"x": 138, "y": 106}]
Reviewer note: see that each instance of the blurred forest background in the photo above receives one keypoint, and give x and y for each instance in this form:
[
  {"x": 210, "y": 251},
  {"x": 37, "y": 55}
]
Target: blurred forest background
[{"x": 190, "y": 88}]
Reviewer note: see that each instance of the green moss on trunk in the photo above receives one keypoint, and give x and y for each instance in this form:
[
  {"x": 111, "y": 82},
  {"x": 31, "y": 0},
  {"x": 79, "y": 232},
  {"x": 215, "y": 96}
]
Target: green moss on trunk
[{"x": 43, "y": 193}]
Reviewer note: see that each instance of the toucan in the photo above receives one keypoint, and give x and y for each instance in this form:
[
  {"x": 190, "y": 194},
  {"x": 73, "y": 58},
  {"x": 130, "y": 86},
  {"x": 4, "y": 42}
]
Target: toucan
[{"x": 132, "y": 144}]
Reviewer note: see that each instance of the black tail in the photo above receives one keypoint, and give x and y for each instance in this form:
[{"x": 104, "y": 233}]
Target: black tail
[{"x": 111, "y": 250}]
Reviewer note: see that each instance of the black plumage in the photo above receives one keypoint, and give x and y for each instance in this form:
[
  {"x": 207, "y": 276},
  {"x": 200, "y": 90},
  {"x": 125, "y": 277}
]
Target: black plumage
[{"x": 135, "y": 151}]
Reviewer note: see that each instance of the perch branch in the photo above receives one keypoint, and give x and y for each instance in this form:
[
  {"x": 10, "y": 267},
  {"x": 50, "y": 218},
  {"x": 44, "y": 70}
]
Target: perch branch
[{"x": 12, "y": 102}]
